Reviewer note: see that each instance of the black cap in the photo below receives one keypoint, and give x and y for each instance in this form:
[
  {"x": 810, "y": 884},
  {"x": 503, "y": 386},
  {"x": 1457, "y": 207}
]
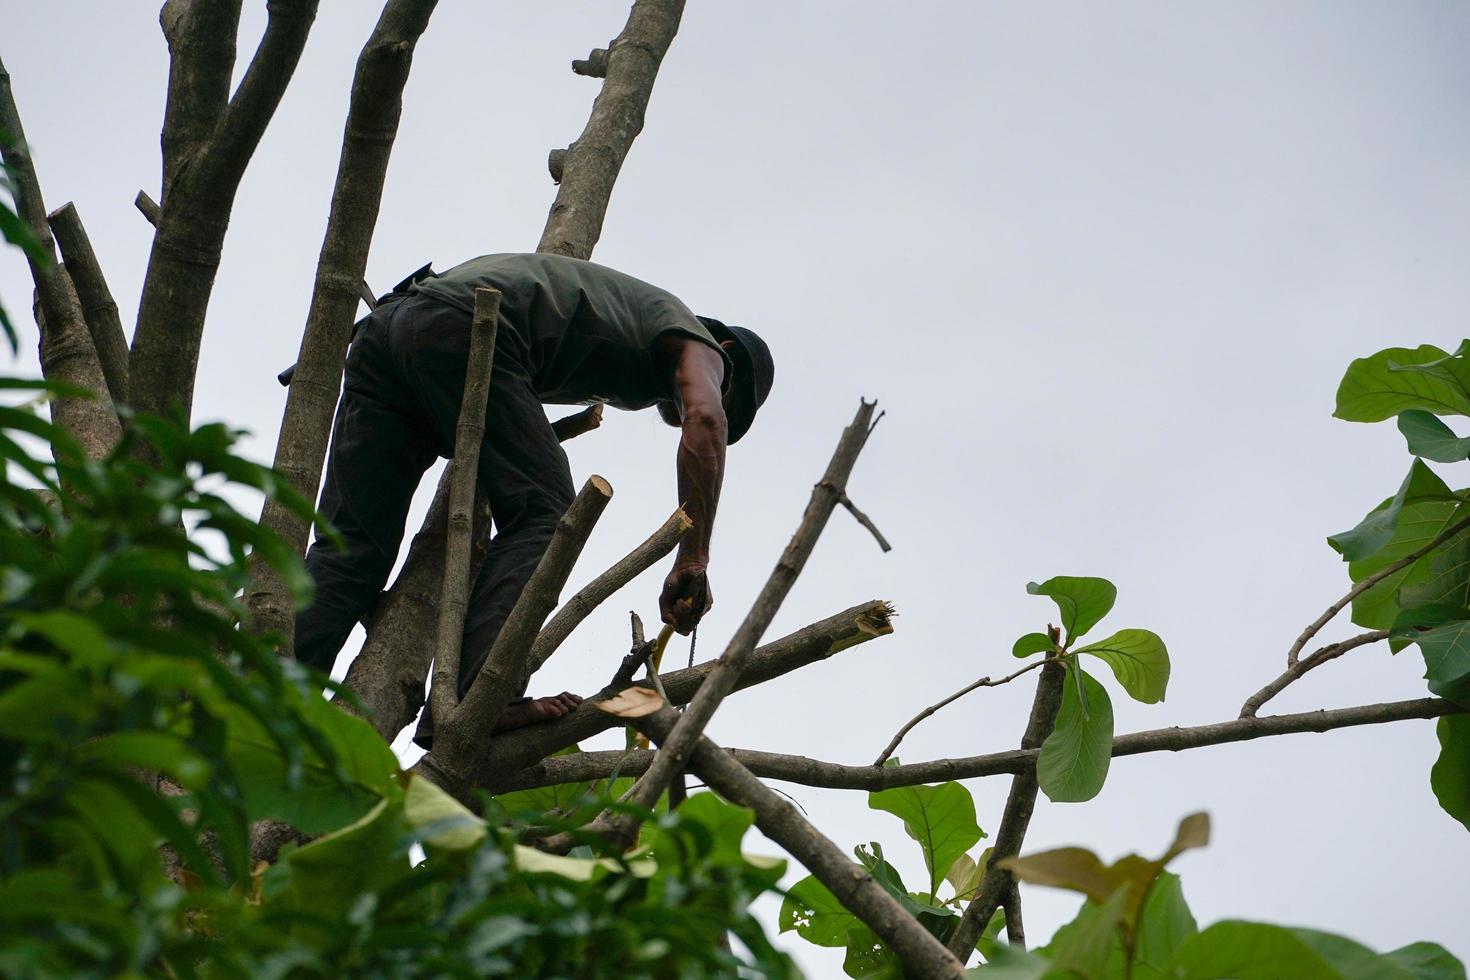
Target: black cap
[{"x": 754, "y": 372}]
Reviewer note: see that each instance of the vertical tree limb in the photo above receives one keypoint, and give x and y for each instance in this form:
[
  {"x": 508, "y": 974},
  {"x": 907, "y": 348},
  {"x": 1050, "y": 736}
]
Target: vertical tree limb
[
  {"x": 373, "y": 115},
  {"x": 98, "y": 308},
  {"x": 207, "y": 146},
  {"x": 67, "y": 352},
  {"x": 468, "y": 435},
  {"x": 1016, "y": 817},
  {"x": 593, "y": 161}
]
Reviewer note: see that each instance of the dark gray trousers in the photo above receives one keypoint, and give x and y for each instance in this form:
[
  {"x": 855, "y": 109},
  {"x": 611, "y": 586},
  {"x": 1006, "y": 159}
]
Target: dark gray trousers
[{"x": 400, "y": 401}]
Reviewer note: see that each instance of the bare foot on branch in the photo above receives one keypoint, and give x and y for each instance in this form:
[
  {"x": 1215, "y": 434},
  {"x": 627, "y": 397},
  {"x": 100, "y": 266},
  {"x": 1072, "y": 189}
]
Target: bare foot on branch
[{"x": 537, "y": 711}]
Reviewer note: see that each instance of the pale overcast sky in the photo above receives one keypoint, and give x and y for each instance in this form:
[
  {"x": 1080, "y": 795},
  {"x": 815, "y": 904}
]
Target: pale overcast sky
[{"x": 1103, "y": 265}]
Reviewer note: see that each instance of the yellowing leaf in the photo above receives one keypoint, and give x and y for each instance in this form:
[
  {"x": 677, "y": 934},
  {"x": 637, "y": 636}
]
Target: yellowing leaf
[{"x": 632, "y": 702}]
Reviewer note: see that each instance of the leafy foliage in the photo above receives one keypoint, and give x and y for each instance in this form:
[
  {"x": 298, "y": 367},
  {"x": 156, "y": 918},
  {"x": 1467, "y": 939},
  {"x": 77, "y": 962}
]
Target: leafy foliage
[{"x": 141, "y": 732}]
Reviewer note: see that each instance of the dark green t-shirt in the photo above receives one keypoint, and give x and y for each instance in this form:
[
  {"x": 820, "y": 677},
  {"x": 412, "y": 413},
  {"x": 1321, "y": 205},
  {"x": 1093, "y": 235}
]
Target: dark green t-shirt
[{"x": 584, "y": 332}]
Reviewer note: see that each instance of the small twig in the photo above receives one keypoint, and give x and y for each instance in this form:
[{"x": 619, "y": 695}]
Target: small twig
[
  {"x": 1319, "y": 657},
  {"x": 864, "y": 519},
  {"x": 1364, "y": 586},
  {"x": 1015, "y": 926},
  {"x": 469, "y": 434},
  {"x": 148, "y": 208},
  {"x": 982, "y": 682}
]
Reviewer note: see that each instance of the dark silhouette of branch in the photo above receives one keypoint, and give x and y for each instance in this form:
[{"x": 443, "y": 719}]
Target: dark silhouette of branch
[
  {"x": 373, "y": 115},
  {"x": 1015, "y": 818},
  {"x": 468, "y": 435},
  {"x": 67, "y": 352},
  {"x": 593, "y": 161},
  {"x": 98, "y": 308}
]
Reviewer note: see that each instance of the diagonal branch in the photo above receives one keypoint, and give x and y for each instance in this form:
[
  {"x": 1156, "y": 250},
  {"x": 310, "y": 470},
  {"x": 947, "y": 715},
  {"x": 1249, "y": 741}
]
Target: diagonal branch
[
  {"x": 67, "y": 352},
  {"x": 1316, "y": 625},
  {"x": 469, "y": 434},
  {"x": 982, "y": 682},
  {"x": 922, "y": 954},
  {"x": 1015, "y": 818},
  {"x": 98, "y": 308},
  {"x": 201, "y": 46},
  {"x": 1299, "y": 667}
]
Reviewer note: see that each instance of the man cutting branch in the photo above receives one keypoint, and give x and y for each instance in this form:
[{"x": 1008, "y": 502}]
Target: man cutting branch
[{"x": 570, "y": 332}]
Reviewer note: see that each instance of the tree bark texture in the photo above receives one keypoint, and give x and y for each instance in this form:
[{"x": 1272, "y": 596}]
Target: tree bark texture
[
  {"x": 104, "y": 323},
  {"x": 593, "y": 161},
  {"x": 207, "y": 145},
  {"x": 373, "y": 114},
  {"x": 67, "y": 353}
]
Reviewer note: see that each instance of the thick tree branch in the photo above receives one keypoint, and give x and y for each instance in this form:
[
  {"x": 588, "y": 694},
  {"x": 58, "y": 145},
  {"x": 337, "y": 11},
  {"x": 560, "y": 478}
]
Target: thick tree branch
[
  {"x": 67, "y": 352},
  {"x": 982, "y": 682},
  {"x": 98, "y": 308},
  {"x": 1015, "y": 818},
  {"x": 373, "y": 115},
  {"x": 501, "y": 759},
  {"x": 593, "y": 161},
  {"x": 207, "y": 146},
  {"x": 594, "y": 593},
  {"x": 833, "y": 775},
  {"x": 723, "y": 678},
  {"x": 1327, "y": 616},
  {"x": 469, "y": 434},
  {"x": 1299, "y": 667},
  {"x": 921, "y": 953}
]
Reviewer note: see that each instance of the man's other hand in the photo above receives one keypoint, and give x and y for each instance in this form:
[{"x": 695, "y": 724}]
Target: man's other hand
[{"x": 686, "y": 597}]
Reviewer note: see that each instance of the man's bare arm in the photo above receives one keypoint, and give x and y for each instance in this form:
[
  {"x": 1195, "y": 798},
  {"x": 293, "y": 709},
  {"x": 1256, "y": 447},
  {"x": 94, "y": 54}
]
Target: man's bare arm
[{"x": 700, "y": 465}]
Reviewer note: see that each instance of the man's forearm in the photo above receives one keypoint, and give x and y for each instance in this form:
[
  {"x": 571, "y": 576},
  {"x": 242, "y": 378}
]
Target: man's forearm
[{"x": 701, "y": 471}]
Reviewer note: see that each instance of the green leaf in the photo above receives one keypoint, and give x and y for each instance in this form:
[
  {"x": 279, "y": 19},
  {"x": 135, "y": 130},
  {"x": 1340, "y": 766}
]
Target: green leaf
[
  {"x": 941, "y": 818},
  {"x": 1443, "y": 636},
  {"x": 1430, "y": 438},
  {"x": 1256, "y": 951},
  {"x": 329, "y": 875},
  {"x": 1164, "y": 925},
  {"x": 1450, "y": 777},
  {"x": 726, "y": 823},
  {"x": 1381, "y": 386},
  {"x": 1139, "y": 661},
  {"x": 443, "y": 821},
  {"x": 815, "y": 914},
  {"x": 156, "y": 751},
  {"x": 1427, "y": 961},
  {"x": 1419, "y": 525},
  {"x": 1082, "y": 600},
  {"x": 1032, "y": 643},
  {"x": 1377, "y": 529},
  {"x": 1074, "y": 758},
  {"x": 1083, "y": 946},
  {"x": 868, "y": 958}
]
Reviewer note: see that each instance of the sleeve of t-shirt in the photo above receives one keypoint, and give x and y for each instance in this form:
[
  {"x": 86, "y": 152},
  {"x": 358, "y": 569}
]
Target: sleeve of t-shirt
[{"x": 666, "y": 313}]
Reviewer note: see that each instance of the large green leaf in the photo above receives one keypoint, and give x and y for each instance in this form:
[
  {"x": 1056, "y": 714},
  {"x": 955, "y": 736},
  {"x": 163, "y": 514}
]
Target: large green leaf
[
  {"x": 815, "y": 914},
  {"x": 941, "y": 818},
  {"x": 1419, "y": 524},
  {"x": 329, "y": 875},
  {"x": 868, "y": 958},
  {"x": 1164, "y": 924},
  {"x": 1383, "y": 385},
  {"x": 1074, "y": 758},
  {"x": 440, "y": 819},
  {"x": 1082, "y": 600},
  {"x": 1377, "y": 529},
  {"x": 1450, "y": 777},
  {"x": 1443, "y": 636},
  {"x": 1257, "y": 951},
  {"x": 1430, "y": 438},
  {"x": 1427, "y": 961},
  {"x": 1139, "y": 660}
]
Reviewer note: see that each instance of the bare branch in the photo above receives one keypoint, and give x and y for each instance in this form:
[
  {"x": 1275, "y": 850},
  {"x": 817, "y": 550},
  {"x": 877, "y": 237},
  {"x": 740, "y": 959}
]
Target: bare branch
[
  {"x": 148, "y": 208},
  {"x": 1316, "y": 626},
  {"x": 982, "y": 682},
  {"x": 1299, "y": 667},
  {"x": 373, "y": 114},
  {"x": 832, "y": 775},
  {"x": 722, "y": 679},
  {"x": 592, "y": 595},
  {"x": 593, "y": 161},
  {"x": 921, "y": 953},
  {"x": 67, "y": 352},
  {"x": 468, "y": 435},
  {"x": 865, "y": 521},
  {"x": 1015, "y": 818},
  {"x": 593, "y": 66},
  {"x": 501, "y": 757},
  {"x": 201, "y": 45},
  {"x": 103, "y": 321}
]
